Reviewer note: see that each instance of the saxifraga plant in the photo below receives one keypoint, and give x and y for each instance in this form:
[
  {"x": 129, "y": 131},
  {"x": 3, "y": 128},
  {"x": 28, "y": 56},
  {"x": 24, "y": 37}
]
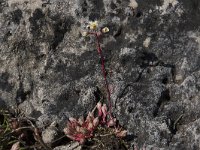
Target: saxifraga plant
[{"x": 82, "y": 129}]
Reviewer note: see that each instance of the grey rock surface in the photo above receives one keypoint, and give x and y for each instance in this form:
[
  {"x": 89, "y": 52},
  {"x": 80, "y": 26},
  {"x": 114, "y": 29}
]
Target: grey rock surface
[
  {"x": 71, "y": 146},
  {"x": 152, "y": 58}
]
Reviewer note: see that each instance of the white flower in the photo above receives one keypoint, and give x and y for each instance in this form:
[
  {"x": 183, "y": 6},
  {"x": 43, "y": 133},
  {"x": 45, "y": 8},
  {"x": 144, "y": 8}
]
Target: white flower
[
  {"x": 93, "y": 25},
  {"x": 105, "y": 30}
]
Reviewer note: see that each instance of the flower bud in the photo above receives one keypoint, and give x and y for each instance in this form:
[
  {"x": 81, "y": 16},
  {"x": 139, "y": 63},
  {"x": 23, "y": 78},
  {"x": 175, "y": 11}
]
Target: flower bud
[
  {"x": 99, "y": 104},
  {"x": 90, "y": 126},
  {"x": 105, "y": 30},
  {"x": 99, "y": 107},
  {"x": 96, "y": 122},
  {"x": 71, "y": 137},
  {"x": 93, "y": 25},
  {"x": 81, "y": 120},
  {"x": 89, "y": 117},
  {"x": 78, "y": 129},
  {"x": 104, "y": 111},
  {"x": 71, "y": 119},
  {"x": 112, "y": 122},
  {"x": 66, "y": 131}
]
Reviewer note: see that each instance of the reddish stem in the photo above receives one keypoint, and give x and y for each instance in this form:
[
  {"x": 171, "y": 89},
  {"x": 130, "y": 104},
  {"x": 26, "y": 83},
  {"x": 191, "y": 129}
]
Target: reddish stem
[{"x": 104, "y": 72}]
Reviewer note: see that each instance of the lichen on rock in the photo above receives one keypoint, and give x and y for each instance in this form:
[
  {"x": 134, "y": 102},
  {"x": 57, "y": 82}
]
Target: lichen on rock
[{"x": 151, "y": 56}]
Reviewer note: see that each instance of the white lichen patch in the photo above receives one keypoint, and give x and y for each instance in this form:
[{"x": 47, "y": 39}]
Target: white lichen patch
[
  {"x": 166, "y": 4},
  {"x": 131, "y": 37},
  {"x": 196, "y": 37},
  {"x": 147, "y": 42},
  {"x": 179, "y": 77},
  {"x": 30, "y": 4},
  {"x": 133, "y": 4},
  {"x": 10, "y": 2},
  {"x": 185, "y": 65},
  {"x": 116, "y": 20},
  {"x": 86, "y": 96},
  {"x": 179, "y": 11},
  {"x": 107, "y": 5},
  {"x": 127, "y": 51}
]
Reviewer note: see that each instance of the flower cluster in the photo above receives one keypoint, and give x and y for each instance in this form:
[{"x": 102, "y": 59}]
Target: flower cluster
[
  {"x": 82, "y": 129},
  {"x": 93, "y": 26}
]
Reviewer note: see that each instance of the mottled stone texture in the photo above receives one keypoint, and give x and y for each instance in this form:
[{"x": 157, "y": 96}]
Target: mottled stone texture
[{"x": 152, "y": 58}]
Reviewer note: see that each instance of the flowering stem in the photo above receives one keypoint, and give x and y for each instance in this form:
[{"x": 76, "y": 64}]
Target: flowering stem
[{"x": 104, "y": 72}]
